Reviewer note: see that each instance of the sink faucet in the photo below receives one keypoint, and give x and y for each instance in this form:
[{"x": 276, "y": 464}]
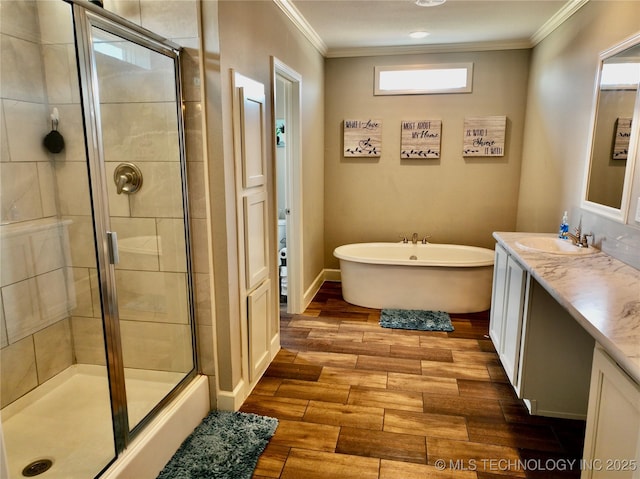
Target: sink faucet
[
  {"x": 414, "y": 238},
  {"x": 579, "y": 239}
]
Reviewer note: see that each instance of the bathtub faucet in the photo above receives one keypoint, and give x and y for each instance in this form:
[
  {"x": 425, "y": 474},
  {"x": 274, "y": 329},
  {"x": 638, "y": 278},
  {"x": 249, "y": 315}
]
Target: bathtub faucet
[{"x": 414, "y": 238}]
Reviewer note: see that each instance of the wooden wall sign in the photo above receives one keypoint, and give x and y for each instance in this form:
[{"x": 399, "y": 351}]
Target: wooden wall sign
[
  {"x": 621, "y": 140},
  {"x": 421, "y": 139},
  {"x": 363, "y": 138},
  {"x": 484, "y": 136}
]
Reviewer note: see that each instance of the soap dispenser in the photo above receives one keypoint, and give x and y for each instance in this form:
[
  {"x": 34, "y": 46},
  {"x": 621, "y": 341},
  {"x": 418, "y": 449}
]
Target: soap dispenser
[{"x": 564, "y": 227}]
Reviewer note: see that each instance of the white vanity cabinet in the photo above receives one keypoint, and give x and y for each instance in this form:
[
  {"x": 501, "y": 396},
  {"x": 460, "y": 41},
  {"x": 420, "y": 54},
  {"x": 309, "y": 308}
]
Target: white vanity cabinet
[
  {"x": 612, "y": 438},
  {"x": 497, "y": 297},
  {"x": 545, "y": 353},
  {"x": 507, "y": 309}
]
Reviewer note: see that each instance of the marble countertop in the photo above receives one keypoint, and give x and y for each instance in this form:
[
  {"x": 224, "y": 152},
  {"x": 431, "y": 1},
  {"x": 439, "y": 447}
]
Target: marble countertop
[{"x": 600, "y": 292}]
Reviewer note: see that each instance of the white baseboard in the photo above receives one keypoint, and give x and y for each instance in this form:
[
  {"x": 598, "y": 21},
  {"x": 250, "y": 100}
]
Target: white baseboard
[
  {"x": 312, "y": 290},
  {"x": 332, "y": 275},
  {"x": 231, "y": 400}
]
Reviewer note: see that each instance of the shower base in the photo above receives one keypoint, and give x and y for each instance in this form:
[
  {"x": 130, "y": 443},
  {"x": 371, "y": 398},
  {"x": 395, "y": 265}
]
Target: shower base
[{"x": 68, "y": 419}]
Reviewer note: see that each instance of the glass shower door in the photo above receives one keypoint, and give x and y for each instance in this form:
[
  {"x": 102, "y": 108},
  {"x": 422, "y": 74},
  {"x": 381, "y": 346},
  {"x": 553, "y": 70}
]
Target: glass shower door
[{"x": 139, "y": 132}]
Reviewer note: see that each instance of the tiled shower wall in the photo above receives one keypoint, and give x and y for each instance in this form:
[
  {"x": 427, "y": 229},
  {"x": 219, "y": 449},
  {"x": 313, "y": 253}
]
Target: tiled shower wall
[
  {"x": 39, "y": 73},
  {"x": 35, "y": 324}
]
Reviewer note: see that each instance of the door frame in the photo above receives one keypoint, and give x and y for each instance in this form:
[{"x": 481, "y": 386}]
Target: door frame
[{"x": 293, "y": 178}]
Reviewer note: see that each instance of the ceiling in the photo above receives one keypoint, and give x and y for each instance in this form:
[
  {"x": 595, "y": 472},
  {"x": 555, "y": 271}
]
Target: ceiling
[{"x": 359, "y": 27}]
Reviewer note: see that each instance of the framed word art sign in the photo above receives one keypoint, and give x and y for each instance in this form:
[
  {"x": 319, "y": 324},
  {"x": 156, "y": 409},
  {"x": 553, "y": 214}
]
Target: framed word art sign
[
  {"x": 421, "y": 139},
  {"x": 484, "y": 136},
  {"x": 363, "y": 138},
  {"x": 621, "y": 139}
]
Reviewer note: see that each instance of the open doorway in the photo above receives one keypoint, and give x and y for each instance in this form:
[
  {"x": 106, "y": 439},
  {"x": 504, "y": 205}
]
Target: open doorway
[{"x": 286, "y": 101}]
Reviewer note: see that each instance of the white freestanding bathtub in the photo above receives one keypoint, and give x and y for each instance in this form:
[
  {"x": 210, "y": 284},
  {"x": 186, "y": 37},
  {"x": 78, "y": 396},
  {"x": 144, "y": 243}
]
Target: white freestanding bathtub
[{"x": 438, "y": 277}]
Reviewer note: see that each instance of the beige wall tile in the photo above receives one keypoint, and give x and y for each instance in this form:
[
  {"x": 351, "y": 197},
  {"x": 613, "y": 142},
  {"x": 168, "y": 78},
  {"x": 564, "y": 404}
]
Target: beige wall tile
[
  {"x": 171, "y": 19},
  {"x": 53, "y": 349},
  {"x": 15, "y": 258},
  {"x": 81, "y": 240},
  {"x": 138, "y": 243},
  {"x": 21, "y": 308},
  {"x": 83, "y": 294},
  {"x": 95, "y": 293},
  {"x": 152, "y": 296},
  {"x": 199, "y": 246},
  {"x": 20, "y": 19},
  {"x": 61, "y": 80},
  {"x": 47, "y": 249},
  {"x": 206, "y": 351},
  {"x": 137, "y": 132},
  {"x": 197, "y": 194},
  {"x": 56, "y": 23},
  {"x": 190, "y": 63},
  {"x": 171, "y": 238},
  {"x": 19, "y": 192},
  {"x": 4, "y": 141},
  {"x": 129, "y": 9},
  {"x": 4, "y": 341},
  {"x": 161, "y": 193},
  {"x": 18, "y": 370},
  {"x": 145, "y": 77},
  {"x": 204, "y": 310},
  {"x": 193, "y": 130},
  {"x": 27, "y": 124},
  {"x": 88, "y": 341},
  {"x": 165, "y": 347},
  {"x": 73, "y": 188},
  {"x": 21, "y": 69},
  {"x": 46, "y": 180},
  {"x": 52, "y": 295}
]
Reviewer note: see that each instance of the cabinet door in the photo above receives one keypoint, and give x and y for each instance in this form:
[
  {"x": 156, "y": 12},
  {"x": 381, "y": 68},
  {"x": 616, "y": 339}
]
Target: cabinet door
[
  {"x": 498, "y": 296},
  {"x": 258, "y": 312},
  {"x": 612, "y": 438},
  {"x": 513, "y": 311}
]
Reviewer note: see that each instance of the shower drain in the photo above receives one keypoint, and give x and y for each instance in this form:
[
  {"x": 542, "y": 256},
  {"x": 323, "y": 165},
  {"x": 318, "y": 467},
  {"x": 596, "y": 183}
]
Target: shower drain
[{"x": 37, "y": 467}]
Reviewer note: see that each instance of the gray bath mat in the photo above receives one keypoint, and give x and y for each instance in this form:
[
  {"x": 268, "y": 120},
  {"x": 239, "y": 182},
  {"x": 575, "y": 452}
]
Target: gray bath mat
[
  {"x": 225, "y": 445},
  {"x": 415, "y": 319}
]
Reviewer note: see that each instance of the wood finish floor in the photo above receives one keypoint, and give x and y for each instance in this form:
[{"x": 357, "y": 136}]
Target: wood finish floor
[{"x": 355, "y": 400}]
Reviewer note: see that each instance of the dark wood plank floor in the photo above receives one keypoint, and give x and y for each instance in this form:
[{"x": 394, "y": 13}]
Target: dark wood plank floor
[{"x": 355, "y": 400}]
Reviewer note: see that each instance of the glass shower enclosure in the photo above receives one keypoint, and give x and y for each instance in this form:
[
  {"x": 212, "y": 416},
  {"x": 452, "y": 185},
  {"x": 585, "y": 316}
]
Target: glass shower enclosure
[{"x": 96, "y": 302}]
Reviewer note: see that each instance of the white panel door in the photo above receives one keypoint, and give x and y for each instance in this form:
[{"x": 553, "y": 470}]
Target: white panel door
[
  {"x": 255, "y": 238},
  {"x": 259, "y": 312},
  {"x": 252, "y": 133}
]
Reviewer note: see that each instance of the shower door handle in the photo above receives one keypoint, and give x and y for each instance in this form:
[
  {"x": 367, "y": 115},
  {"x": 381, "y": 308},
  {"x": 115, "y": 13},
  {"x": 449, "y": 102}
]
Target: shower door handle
[{"x": 112, "y": 246}]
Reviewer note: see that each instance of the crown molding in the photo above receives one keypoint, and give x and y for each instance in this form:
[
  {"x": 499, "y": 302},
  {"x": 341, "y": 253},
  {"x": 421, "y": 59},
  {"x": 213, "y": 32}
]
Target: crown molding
[
  {"x": 418, "y": 49},
  {"x": 305, "y": 28},
  {"x": 558, "y": 19}
]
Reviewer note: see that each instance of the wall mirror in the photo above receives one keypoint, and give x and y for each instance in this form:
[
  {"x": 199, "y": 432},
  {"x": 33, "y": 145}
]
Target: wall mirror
[{"x": 615, "y": 131}]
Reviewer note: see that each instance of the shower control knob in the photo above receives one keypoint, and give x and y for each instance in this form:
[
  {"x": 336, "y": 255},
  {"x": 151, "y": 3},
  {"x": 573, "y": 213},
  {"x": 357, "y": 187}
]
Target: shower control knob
[{"x": 128, "y": 178}]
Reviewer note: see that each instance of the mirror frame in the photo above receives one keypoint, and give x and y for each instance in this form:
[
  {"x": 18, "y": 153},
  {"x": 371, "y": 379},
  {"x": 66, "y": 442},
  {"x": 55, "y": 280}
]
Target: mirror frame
[{"x": 617, "y": 214}]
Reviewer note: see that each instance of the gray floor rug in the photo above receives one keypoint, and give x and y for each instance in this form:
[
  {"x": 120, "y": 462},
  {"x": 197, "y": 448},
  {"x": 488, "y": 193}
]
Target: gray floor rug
[
  {"x": 415, "y": 319},
  {"x": 226, "y": 445}
]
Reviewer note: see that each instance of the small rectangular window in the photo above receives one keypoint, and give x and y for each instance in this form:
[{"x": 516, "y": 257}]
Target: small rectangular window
[
  {"x": 620, "y": 76},
  {"x": 423, "y": 79}
]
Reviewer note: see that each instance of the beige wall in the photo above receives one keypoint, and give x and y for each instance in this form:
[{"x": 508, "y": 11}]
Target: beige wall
[
  {"x": 249, "y": 33},
  {"x": 454, "y": 199},
  {"x": 559, "y": 109}
]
